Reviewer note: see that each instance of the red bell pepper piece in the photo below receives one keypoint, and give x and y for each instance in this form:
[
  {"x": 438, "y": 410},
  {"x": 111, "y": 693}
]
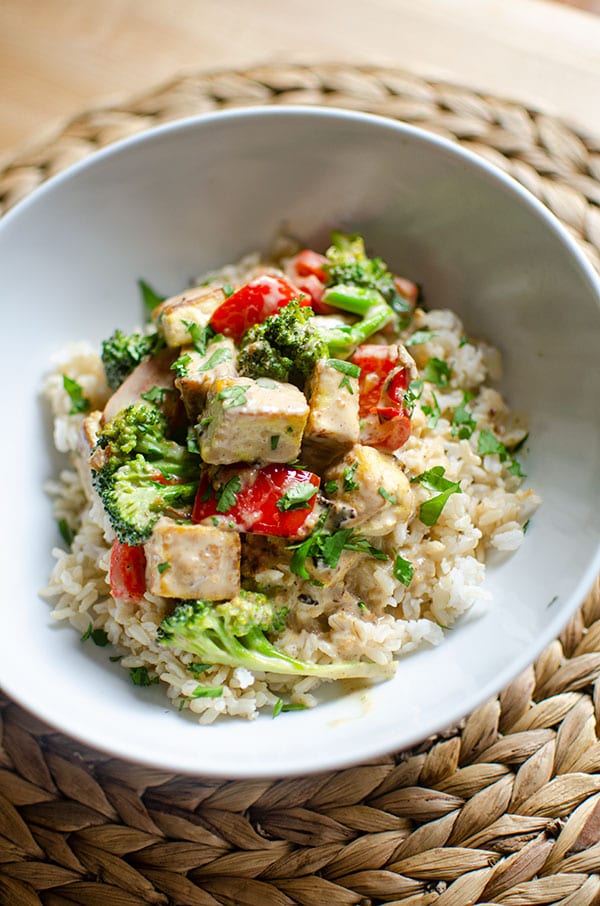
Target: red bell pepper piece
[
  {"x": 407, "y": 289},
  {"x": 382, "y": 383},
  {"x": 307, "y": 272},
  {"x": 255, "y": 507},
  {"x": 254, "y": 302},
  {"x": 386, "y": 433},
  {"x": 375, "y": 363},
  {"x": 308, "y": 262},
  {"x": 127, "y": 573}
]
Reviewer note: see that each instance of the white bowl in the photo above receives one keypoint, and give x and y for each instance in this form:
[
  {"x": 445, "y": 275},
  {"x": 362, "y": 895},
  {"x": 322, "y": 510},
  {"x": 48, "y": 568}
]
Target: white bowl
[{"x": 199, "y": 193}]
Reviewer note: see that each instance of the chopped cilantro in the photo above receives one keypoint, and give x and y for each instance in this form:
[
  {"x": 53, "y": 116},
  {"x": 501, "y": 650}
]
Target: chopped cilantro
[
  {"x": 488, "y": 445},
  {"x": 66, "y": 532},
  {"x": 326, "y": 548},
  {"x": 197, "y": 669},
  {"x": 98, "y": 636},
  {"x": 526, "y": 526},
  {"x": 463, "y": 423},
  {"x": 274, "y": 441},
  {"x": 344, "y": 367},
  {"x": 228, "y": 290},
  {"x": 150, "y": 297},
  {"x": 383, "y": 493},
  {"x": 139, "y": 677},
  {"x": 180, "y": 365},
  {"x": 156, "y": 395},
  {"x": 233, "y": 396},
  {"x": 217, "y": 358},
  {"x": 361, "y": 605},
  {"x": 348, "y": 481},
  {"x": 163, "y": 567},
  {"x": 199, "y": 335},
  {"x": 420, "y": 336},
  {"x": 280, "y": 708},
  {"x": 207, "y": 692},
  {"x": 330, "y": 487},
  {"x": 403, "y": 570},
  {"x": 289, "y": 430},
  {"x": 297, "y": 497},
  {"x": 192, "y": 441},
  {"x": 433, "y": 479},
  {"x": 228, "y": 494},
  {"x": 434, "y": 412},
  {"x": 412, "y": 394},
  {"x": 464, "y": 341},
  {"x": 437, "y": 372},
  {"x": 79, "y": 403}
]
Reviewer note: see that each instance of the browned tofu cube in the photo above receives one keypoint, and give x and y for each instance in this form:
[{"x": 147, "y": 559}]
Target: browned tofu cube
[
  {"x": 192, "y": 561},
  {"x": 333, "y": 424},
  {"x": 202, "y": 371},
  {"x": 251, "y": 421},
  {"x": 194, "y": 306}
]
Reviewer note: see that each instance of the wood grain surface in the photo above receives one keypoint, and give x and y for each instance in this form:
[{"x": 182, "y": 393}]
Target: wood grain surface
[{"x": 59, "y": 57}]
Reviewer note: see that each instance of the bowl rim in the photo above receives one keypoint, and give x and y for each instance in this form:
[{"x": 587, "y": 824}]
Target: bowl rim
[{"x": 364, "y": 748}]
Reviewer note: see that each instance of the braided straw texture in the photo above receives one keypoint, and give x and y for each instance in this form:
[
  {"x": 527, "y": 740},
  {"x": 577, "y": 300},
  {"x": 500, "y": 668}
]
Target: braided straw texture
[{"x": 504, "y": 809}]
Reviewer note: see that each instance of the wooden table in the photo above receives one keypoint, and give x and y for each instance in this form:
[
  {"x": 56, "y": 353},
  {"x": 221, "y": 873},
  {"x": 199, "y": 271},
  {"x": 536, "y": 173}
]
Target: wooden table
[{"x": 58, "y": 57}]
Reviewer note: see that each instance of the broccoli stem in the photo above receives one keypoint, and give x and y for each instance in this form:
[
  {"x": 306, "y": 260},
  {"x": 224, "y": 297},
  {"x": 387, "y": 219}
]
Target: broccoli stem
[
  {"x": 356, "y": 299},
  {"x": 342, "y": 341}
]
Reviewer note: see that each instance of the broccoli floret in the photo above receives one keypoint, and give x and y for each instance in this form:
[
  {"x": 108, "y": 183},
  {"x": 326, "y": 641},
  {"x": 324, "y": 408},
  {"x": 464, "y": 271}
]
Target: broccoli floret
[
  {"x": 234, "y": 633},
  {"x": 284, "y": 347},
  {"x": 122, "y": 352},
  {"x": 349, "y": 265},
  {"x": 141, "y": 472}
]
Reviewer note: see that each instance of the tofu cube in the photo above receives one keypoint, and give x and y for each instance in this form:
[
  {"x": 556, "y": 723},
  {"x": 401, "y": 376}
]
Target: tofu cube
[
  {"x": 192, "y": 561},
  {"x": 374, "y": 487},
  {"x": 202, "y": 371},
  {"x": 250, "y": 421},
  {"x": 333, "y": 423},
  {"x": 195, "y": 306}
]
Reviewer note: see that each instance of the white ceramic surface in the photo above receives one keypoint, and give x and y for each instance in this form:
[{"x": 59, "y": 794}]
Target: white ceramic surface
[{"x": 199, "y": 193}]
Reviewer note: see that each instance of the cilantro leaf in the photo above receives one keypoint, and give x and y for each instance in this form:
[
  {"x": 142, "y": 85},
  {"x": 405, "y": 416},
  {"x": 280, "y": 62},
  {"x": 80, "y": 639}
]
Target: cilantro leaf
[
  {"x": 197, "y": 669},
  {"x": 348, "y": 481},
  {"x": 219, "y": 355},
  {"x": 156, "y": 395},
  {"x": 233, "y": 396},
  {"x": 297, "y": 497},
  {"x": 390, "y": 499},
  {"x": 420, "y": 336},
  {"x": 403, "y": 570},
  {"x": 437, "y": 372},
  {"x": 140, "y": 677},
  {"x": 207, "y": 692},
  {"x": 180, "y": 365},
  {"x": 66, "y": 532},
  {"x": 488, "y": 444},
  {"x": 150, "y": 297},
  {"x": 463, "y": 423},
  {"x": 163, "y": 567},
  {"x": 412, "y": 394},
  {"x": 228, "y": 494},
  {"x": 98, "y": 636},
  {"x": 434, "y": 412},
  {"x": 199, "y": 335},
  {"x": 433, "y": 480},
  {"x": 79, "y": 403}
]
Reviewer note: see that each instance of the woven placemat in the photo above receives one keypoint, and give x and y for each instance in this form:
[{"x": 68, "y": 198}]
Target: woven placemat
[{"x": 504, "y": 809}]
